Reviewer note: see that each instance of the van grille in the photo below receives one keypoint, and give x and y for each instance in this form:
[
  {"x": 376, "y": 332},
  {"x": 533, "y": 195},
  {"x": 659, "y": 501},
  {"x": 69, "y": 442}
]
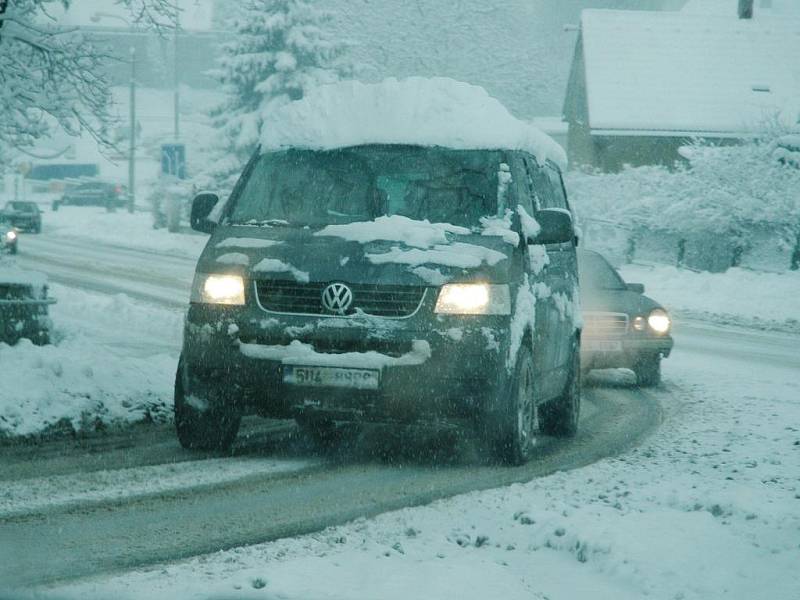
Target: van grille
[
  {"x": 306, "y": 298},
  {"x": 604, "y": 325}
]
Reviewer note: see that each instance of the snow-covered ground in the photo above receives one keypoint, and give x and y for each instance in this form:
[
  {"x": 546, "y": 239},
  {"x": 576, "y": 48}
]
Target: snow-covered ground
[
  {"x": 112, "y": 362},
  {"x": 738, "y": 296},
  {"x": 707, "y": 508}
]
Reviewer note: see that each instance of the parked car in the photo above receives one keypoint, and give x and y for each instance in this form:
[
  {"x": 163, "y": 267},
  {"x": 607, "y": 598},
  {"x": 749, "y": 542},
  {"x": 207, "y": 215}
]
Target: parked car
[
  {"x": 23, "y": 215},
  {"x": 385, "y": 283},
  {"x": 24, "y": 303},
  {"x": 622, "y": 328},
  {"x": 93, "y": 193},
  {"x": 9, "y": 239}
]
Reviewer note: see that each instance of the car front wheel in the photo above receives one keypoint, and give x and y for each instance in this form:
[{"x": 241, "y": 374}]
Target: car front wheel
[
  {"x": 648, "y": 370},
  {"x": 199, "y": 424}
]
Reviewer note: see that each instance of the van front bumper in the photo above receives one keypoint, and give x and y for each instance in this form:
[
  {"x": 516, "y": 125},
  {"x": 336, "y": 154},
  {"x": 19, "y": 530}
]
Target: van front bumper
[{"x": 428, "y": 369}]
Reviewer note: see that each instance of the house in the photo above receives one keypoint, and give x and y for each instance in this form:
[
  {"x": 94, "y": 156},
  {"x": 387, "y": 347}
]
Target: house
[{"x": 643, "y": 84}]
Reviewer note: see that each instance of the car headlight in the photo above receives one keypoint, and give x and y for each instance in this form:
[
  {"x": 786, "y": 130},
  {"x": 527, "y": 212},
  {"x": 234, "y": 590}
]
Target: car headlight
[
  {"x": 659, "y": 321},
  {"x": 11, "y": 236},
  {"x": 218, "y": 289},
  {"x": 474, "y": 299}
]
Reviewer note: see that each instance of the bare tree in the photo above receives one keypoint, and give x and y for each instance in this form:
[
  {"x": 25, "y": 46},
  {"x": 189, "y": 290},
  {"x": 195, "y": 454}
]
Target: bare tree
[{"x": 52, "y": 77}]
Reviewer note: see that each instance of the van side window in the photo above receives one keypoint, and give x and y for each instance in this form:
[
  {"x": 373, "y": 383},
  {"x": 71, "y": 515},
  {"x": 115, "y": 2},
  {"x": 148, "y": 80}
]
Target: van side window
[
  {"x": 541, "y": 185},
  {"x": 554, "y": 176},
  {"x": 522, "y": 185}
]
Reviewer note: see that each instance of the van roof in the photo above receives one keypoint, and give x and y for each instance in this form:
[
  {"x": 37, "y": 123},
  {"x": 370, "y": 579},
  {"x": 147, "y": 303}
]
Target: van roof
[{"x": 414, "y": 111}]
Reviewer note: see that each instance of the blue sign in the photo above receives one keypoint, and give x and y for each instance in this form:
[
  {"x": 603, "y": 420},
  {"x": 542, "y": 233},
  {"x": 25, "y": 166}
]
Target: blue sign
[{"x": 173, "y": 160}]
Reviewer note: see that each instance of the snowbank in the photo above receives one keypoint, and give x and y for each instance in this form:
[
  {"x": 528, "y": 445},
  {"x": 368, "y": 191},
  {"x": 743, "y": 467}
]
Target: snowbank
[
  {"x": 750, "y": 298},
  {"x": 113, "y": 362},
  {"x": 428, "y": 112},
  {"x": 10, "y": 273}
]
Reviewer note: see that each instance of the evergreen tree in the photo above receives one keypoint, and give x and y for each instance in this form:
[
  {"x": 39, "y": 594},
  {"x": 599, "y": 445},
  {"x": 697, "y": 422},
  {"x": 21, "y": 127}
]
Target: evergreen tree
[{"x": 281, "y": 48}]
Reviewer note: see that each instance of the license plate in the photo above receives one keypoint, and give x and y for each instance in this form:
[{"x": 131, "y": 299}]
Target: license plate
[
  {"x": 602, "y": 345},
  {"x": 360, "y": 379}
]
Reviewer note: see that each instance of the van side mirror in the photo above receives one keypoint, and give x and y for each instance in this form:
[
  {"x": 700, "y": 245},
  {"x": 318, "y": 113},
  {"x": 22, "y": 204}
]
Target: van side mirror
[
  {"x": 556, "y": 227},
  {"x": 636, "y": 287},
  {"x": 202, "y": 205}
]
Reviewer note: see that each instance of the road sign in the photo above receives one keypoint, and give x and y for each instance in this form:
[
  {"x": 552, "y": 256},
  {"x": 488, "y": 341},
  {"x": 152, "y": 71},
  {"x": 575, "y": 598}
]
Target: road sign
[{"x": 173, "y": 160}]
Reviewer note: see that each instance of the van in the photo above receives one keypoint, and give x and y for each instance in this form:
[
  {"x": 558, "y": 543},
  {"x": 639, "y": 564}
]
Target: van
[{"x": 390, "y": 283}]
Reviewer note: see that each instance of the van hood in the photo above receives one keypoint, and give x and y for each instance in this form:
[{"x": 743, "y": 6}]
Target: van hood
[{"x": 373, "y": 252}]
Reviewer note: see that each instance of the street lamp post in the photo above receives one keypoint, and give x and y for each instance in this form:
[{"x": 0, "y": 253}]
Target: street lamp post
[
  {"x": 132, "y": 146},
  {"x": 131, "y": 200},
  {"x": 176, "y": 82}
]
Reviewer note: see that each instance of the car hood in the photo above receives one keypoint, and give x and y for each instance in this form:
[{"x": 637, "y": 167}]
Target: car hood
[
  {"x": 323, "y": 255},
  {"x": 619, "y": 301}
]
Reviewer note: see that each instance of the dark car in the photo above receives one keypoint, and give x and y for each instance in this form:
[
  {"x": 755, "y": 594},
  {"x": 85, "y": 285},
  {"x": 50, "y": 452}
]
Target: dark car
[
  {"x": 622, "y": 328},
  {"x": 9, "y": 240},
  {"x": 23, "y": 215},
  {"x": 93, "y": 193},
  {"x": 385, "y": 283},
  {"x": 24, "y": 303}
]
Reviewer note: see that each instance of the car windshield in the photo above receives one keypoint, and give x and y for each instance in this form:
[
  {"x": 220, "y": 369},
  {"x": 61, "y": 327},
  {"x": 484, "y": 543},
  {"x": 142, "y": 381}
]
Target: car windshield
[
  {"x": 306, "y": 187},
  {"x": 22, "y": 206},
  {"x": 597, "y": 274}
]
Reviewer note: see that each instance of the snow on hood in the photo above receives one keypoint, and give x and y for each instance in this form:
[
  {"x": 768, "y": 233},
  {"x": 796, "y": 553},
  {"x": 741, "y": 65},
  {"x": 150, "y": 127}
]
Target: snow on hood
[
  {"x": 426, "y": 112},
  {"x": 395, "y": 228}
]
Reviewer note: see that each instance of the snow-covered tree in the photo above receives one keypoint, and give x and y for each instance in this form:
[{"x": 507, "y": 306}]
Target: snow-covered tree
[
  {"x": 52, "y": 76},
  {"x": 281, "y": 48}
]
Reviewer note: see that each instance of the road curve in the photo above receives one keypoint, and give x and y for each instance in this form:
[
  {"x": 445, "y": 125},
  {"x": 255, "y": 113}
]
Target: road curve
[{"x": 48, "y": 545}]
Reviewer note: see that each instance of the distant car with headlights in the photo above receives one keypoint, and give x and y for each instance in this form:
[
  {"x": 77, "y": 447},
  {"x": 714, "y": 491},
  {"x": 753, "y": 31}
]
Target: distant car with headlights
[
  {"x": 388, "y": 283},
  {"x": 24, "y": 304},
  {"x": 23, "y": 215},
  {"x": 92, "y": 192},
  {"x": 622, "y": 328},
  {"x": 9, "y": 239}
]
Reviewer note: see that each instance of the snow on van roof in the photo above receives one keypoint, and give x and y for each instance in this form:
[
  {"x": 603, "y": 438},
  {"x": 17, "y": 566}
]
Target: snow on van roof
[{"x": 421, "y": 111}]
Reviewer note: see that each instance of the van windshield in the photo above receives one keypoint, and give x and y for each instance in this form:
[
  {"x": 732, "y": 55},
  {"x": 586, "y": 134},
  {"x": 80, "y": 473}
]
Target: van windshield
[{"x": 317, "y": 188}]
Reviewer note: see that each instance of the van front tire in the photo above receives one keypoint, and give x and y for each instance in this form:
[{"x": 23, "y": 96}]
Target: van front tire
[
  {"x": 214, "y": 428},
  {"x": 560, "y": 417},
  {"x": 512, "y": 434}
]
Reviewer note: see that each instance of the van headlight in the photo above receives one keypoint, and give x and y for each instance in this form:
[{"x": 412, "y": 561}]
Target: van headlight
[
  {"x": 11, "y": 236},
  {"x": 218, "y": 289},
  {"x": 659, "y": 321},
  {"x": 473, "y": 299}
]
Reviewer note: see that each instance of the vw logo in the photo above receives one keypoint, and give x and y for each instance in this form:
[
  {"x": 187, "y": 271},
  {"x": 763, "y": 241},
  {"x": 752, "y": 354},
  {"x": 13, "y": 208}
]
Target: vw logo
[{"x": 337, "y": 298}]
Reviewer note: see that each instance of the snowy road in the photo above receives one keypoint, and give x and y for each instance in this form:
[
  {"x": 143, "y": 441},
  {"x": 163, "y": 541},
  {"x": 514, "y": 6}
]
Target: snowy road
[
  {"x": 150, "y": 276},
  {"x": 48, "y": 540}
]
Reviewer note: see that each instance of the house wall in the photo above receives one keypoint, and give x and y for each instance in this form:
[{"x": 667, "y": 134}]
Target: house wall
[{"x": 613, "y": 153}]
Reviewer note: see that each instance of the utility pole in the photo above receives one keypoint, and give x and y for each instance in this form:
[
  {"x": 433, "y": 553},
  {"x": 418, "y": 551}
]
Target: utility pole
[
  {"x": 132, "y": 146},
  {"x": 175, "y": 70}
]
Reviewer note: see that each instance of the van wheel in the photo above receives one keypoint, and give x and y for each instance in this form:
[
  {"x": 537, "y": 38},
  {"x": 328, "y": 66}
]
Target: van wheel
[
  {"x": 213, "y": 428},
  {"x": 513, "y": 437},
  {"x": 560, "y": 417},
  {"x": 648, "y": 370}
]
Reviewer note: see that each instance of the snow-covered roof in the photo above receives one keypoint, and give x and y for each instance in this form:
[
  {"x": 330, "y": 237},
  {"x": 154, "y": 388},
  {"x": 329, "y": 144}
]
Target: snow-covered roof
[
  {"x": 693, "y": 74},
  {"x": 730, "y": 7},
  {"x": 420, "y": 111}
]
